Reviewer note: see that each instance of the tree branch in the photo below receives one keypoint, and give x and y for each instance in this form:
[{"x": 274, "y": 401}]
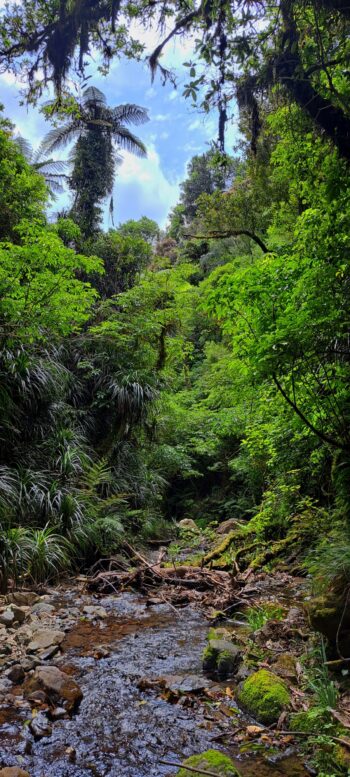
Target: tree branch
[
  {"x": 233, "y": 233},
  {"x": 321, "y": 435}
]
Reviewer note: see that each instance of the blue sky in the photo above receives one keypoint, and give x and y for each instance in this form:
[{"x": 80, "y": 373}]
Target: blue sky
[{"x": 175, "y": 132}]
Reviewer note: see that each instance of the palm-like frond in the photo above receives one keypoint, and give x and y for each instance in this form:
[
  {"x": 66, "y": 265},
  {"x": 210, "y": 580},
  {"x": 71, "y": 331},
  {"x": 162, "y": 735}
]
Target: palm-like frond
[
  {"x": 128, "y": 141},
  {"x": 93, "y": 96},
  {"x": 60, "y": 136},
  {"x": 129, "y": 114},
  {"x": 24, "y": 147}
]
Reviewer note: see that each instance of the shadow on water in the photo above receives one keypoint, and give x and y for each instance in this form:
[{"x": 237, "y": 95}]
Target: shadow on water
[{"x": 120, "y": 730}]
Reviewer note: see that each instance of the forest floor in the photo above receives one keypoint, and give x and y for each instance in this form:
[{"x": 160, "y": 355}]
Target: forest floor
[{"x": 112, "y": 683}]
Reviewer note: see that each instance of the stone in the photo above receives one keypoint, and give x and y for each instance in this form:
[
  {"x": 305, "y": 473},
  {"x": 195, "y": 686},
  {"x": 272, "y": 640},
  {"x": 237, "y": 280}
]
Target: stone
[
  {"x": 49, "y": 653},
  {"x": 6, "y": 649},
  {"x": 44, "y": 607},
  {"x": 16, "y": 674},
  {"x": 13, "y": 771},
  {"x": 226, "y": 526},
  {"x": 22, "y": 598},
  {"x": 58, "y": 713},
  {"x": 19, "y": 614},
  {"x": 285, "y": 666},
  {"x": 186, "y": 684},
  {"x": 40, "y": 726},
  {"x": 221, "y": 657},
  {"x": 94, "y": 611},
  {"x": 264, "y": 696},
  {"x": 210, "y": 761},
  {"x": 7, "y": 618},
  {"x": 59, "y": 687},
  {"x": 44, "y": 639},
  {"x": 187, "y": 524}
]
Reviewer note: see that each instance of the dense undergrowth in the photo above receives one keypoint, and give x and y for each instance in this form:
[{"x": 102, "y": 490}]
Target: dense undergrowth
[{"x": 179, "y": 377}]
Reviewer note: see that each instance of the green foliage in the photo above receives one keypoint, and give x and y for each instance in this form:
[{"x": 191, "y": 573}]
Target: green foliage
[
  {"x": 23, "y": 193},
  {"x": 41, "y": 296},
  {"x": 258, "y": 616}
]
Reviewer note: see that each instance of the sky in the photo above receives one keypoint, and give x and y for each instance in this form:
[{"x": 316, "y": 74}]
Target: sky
[{"x": 174, "y": 134}]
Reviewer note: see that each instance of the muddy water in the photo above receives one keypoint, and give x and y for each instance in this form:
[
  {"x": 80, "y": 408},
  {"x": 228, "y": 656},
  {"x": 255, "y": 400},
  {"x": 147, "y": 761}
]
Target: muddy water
[{"x": 120, "y": 730}]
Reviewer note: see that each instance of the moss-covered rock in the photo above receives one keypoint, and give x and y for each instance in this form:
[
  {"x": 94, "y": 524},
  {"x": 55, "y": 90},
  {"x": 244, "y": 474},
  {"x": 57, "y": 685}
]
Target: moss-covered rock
[
  {"x": 211, "y": 761},
  {"x": 264, "y": 695},
  {"x": 221, "y": 657}
]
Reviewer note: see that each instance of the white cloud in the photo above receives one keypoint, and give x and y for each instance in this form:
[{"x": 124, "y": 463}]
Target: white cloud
[
  {"x": 161, "y": 117},
  {"x": 173, "y": 95},
  {"x": 143, "y": 189}
]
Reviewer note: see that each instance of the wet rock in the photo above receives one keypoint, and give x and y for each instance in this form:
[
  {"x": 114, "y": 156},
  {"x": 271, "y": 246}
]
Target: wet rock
[
  {"x": 40, "y": 726},
  {"x": 21, "y": 598},
  {"x": 44, "y": 639},
  {"x": 37, "y": 697},
  {"x": 264, "y": 695},
  {"x": 95, "y": 611},
  {"x": 58, "y": 713},
  {"x": 226, "y": 526},
  {"x": 221, "y": 657},
  {"x": 13, "y": 771},
  {"x": 19, "y": 613},
  {"x": 7, "y": 618},
  {"x": 211, "y": 761},
  {"x": 16, "y": 674},
  {"x": 189, "y": 684},
  {"x": 187, "y": 524},
  {"x": 101, "y": 652},
  {"x": 58, "y": 686},
  {"x": 71, "y": 754},
  {"x": 43, "y": 607}
]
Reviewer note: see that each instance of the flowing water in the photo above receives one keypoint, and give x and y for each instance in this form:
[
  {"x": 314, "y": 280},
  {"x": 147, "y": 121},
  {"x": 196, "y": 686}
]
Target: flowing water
[{"x": 121, "y": 730}]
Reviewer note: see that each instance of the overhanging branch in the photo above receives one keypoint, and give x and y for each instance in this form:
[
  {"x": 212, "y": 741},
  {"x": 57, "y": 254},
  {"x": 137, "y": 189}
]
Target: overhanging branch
[{"x": 233, "y": 233}]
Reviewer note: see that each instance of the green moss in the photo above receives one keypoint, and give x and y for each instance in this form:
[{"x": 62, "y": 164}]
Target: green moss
[
  {"x": 211, "y": 760},
  {"x": 264, "y": 695},
  {"x": 222, "y": 547},
  {"x": 307, "y": 722},
  {"x": 209, "y": 659}
]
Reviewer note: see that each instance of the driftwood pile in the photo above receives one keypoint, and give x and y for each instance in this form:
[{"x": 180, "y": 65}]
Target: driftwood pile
[{"x": 174, "y": 581}]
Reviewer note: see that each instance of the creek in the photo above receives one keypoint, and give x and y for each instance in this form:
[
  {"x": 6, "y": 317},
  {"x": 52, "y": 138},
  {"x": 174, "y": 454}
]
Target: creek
[{"x": 125, "y": 727}]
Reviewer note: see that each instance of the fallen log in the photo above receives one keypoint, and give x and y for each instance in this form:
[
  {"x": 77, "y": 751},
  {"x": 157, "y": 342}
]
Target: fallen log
[{"x": 148, "y": 575}]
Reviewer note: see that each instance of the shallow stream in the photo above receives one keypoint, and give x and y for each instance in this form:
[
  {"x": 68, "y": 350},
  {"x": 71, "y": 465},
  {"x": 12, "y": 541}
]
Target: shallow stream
[{"x": 119, "y": 729}]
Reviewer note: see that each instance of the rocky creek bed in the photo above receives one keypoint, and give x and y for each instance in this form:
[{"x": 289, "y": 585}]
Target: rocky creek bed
[{"x": 134, "y": 692}]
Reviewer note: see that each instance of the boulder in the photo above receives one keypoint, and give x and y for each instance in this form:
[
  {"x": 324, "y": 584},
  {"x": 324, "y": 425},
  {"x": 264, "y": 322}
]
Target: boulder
[
  {"x": 221, "y": 657},
  {"x": 187, "y": 524},
  {"x": 44, "y": 639},
  {"x": 22, "y": 598},
  {"x": 59, "y": 687},
  {"x": 264, "y": 696},
  {"x": 226, "y": 526},
  {"x": 211, "y": 761},
  {"x": 13, "y": 771}
]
